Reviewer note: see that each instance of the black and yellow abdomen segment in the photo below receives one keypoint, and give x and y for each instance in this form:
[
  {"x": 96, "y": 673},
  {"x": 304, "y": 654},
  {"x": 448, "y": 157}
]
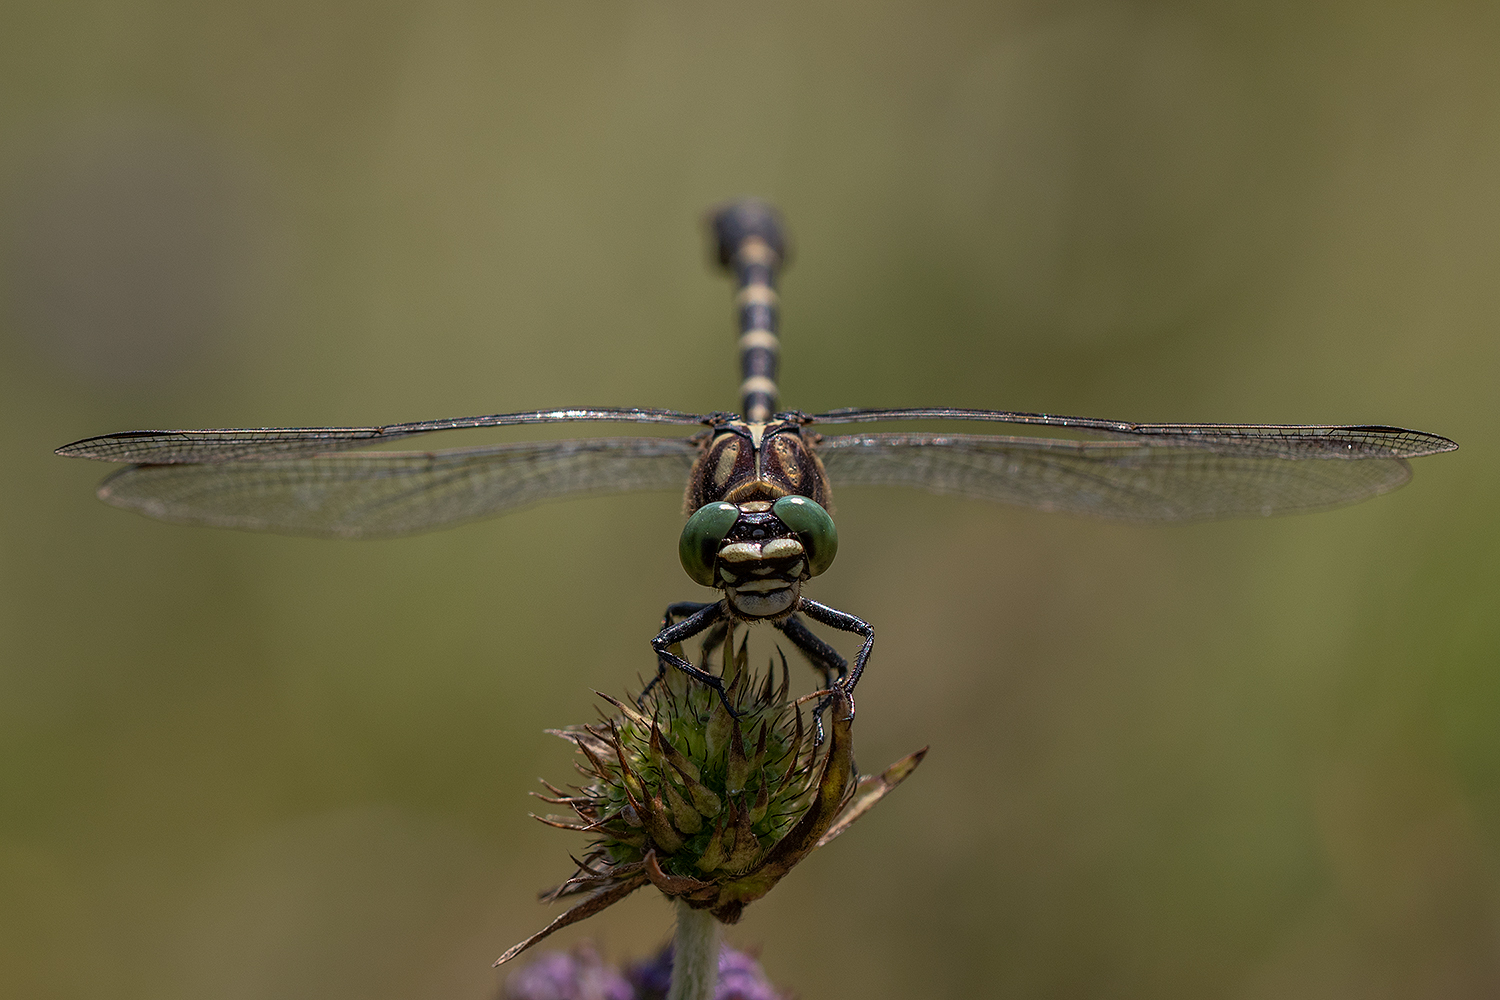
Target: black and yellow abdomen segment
[{"x": 752, "y": 243}]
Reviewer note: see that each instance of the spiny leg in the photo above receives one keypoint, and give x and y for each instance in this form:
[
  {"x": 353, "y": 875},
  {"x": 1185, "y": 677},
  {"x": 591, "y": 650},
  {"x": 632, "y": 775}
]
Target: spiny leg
[
  {"x": 844, "y": 622},
  {"x": 823, "y": 656},
  {"x": 675, "y": 610},
  {"x": 706, "y": 617}
]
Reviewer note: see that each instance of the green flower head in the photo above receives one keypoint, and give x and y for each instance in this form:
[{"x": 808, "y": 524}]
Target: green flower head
[{"x": 709, "y": 806}]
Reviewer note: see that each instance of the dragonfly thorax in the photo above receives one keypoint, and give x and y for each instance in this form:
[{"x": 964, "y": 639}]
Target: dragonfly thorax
[{"x": 744, "y": 461}]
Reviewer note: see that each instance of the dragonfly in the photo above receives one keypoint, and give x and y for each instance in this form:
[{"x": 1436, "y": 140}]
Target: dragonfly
[{"x": 758, "y": 482}]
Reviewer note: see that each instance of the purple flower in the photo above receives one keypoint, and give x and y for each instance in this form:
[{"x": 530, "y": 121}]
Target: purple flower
[
  {"x": 652, "y": 976},
  {"x": 740, "y": 977},
  {"x": 576, "y": 975}
]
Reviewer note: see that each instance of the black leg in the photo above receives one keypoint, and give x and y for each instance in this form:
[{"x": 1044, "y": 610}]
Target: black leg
[
  {"x": 682, "y": 609},
  {"x": 823, "y": 656},
  {"x": 825, "y": 615},
  {"x": 706, "y": 617},
  {"x": 712, "y": 640},
  {"x": 679, "y": 609}
]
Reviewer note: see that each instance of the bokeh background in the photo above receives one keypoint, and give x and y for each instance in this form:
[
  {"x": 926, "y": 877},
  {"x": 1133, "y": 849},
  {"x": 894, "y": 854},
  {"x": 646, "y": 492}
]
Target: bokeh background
[{"x": 1254, "y": 759}]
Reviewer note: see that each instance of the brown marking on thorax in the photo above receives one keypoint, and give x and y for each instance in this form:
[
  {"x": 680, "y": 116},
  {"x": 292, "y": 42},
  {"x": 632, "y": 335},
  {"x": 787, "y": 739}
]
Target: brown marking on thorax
[{"x": 732, "y": 468}]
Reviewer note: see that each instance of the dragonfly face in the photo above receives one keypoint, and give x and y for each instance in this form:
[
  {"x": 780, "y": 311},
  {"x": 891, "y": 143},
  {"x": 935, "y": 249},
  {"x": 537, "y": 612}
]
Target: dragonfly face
[{"x": 759, "y": 552}]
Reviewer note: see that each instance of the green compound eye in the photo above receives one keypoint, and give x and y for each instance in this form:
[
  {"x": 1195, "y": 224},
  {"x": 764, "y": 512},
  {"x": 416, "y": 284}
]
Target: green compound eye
[
  {"x": 700, "y": 539},
  {"x": 813, "y": 527}
]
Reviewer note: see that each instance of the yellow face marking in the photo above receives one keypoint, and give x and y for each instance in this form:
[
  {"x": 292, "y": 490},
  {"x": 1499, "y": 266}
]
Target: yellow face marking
[
  {"x": 740, "y": 552},
  {"x": 778, "y": 548},
  {"x": 762, "y": 586}
]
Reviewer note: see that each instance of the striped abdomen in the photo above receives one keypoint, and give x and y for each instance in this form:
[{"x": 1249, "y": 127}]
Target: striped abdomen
[{"x": 752, "y": 244}]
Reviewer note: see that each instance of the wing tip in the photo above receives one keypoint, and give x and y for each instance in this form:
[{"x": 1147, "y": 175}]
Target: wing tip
[
  {"x": 1442, "y": 444},
  {"x": 1422, "y": 443},
  {"x": 77, "y": 449},
  {"x": 106, "y": 447}
]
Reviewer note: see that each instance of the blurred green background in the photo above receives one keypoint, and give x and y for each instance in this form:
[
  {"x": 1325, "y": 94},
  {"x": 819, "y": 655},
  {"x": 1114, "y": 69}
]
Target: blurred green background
[{"x": 1256, "y": 759}]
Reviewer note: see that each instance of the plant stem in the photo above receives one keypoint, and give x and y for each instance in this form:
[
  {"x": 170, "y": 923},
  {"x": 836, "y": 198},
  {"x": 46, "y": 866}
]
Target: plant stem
[{"x": 695, "y": 955}]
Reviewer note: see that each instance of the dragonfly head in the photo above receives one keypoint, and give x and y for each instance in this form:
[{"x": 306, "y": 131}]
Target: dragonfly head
[{"x": 758, "y": 552}]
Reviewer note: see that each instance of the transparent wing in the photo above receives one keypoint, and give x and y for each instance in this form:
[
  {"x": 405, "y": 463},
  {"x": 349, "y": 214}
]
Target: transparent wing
[
  {"x": 1271, "y": 440},
  {"x": 384, "y": 494},
  {"x": 238, "y": 444},
  {"x": 1117, "y": 480}
]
